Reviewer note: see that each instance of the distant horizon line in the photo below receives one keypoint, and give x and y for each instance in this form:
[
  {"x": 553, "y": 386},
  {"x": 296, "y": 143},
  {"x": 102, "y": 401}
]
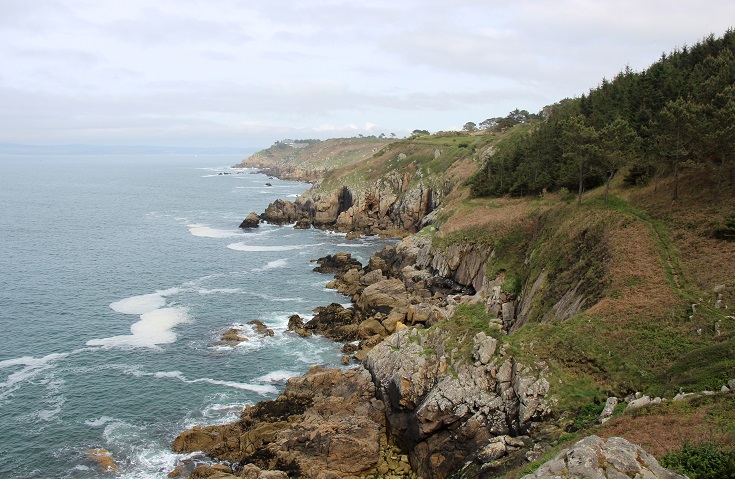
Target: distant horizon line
[{"x": 90, "y": 149}]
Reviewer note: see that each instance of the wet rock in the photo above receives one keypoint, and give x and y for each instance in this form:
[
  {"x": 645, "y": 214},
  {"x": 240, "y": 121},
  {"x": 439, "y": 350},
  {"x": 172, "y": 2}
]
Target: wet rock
[
  {"x": 251, "y": 221},
  {"x": 340, "y": 262},
  {"x": 303, "y": 224},
  {"x": 233, "y": 337},
  {"x": 334, "y": 322},
  {"x": 260, "y": 328},
  {"x": 326, "y": 422},
  {"x": 282, "y": 212},
  {"x": 104, "y": 459},
  {"x": 296, "y": 324}
]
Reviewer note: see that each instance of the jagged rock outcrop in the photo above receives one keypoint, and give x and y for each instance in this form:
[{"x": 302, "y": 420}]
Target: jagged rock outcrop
[
  {"x": 337, "y": 263},
  {"x": 335, "y": 322},
  {"x": 597, "y": 458},
  {"x": 443, "y": 407},
  {"x": 327, "y": 423},
  {"x": 391, "y": 206},
  {"x": 251, "y": 221}
]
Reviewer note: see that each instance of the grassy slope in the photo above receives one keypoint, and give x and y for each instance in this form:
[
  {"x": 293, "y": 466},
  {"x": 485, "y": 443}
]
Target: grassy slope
[
  {"x": 646, "y": 261},
  {"x": 318, "y": 156}
]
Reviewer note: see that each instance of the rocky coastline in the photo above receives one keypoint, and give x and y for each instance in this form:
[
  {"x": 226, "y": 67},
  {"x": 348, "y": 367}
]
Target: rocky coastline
[{"x": 427, "y": 396}]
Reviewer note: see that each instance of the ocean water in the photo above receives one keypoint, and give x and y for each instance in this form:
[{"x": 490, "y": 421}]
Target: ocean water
[{"x": 118, "y": 274}]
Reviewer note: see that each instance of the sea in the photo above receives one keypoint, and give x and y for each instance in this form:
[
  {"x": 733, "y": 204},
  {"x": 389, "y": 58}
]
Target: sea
[{"x": 118, "y": 275}]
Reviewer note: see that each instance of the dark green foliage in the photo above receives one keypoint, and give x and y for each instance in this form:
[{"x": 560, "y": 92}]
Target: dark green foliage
[
  {"x": 726, "y": 231},
  {"x": 639, "y": 174},
  {"x": 678, "y": 113},
  {"x": 587, "y": 416},
  {"x": 706, "y": 460}
]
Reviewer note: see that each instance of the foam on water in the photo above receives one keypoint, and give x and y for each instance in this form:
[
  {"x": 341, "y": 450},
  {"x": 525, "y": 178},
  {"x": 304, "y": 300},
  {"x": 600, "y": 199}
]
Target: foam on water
[
  {"x": 279, "y": 263},
  {"x": 141, "y": 304},
  {"x": 204, "y": 291},
  {"x": 32, "y": 367},
  {"x": 205, "y": 231},
  {"x": 101, "y": 421},
  {"x": 257, "y": 388},
  {"x": 260, "y": 249},
  {"x": 154, "y": 328},
  {"x": 277, "y": 376}
]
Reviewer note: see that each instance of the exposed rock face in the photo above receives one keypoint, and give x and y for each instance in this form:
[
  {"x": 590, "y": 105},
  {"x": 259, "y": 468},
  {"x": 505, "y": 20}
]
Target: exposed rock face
[
  {"x": 394, "y": 205},
  {"x": 338, "y": 263},
  {"x": 282, "y": 212},
  {"x": 334, "y": 322},
  {"x": 326, "y": 423},
  {"x": 442, "y": 418},
  {"x": 596, "y": 458},
  {"x": 251, "y": 221}
]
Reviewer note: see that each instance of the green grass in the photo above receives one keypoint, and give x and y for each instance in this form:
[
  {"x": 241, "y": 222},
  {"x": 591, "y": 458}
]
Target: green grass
[{"x": 705, "y": 460}]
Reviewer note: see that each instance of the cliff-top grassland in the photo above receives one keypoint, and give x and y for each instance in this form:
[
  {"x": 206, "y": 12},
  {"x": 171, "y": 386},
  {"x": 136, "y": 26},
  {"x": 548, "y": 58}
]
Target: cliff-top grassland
[{"x": 560, "y": 274}]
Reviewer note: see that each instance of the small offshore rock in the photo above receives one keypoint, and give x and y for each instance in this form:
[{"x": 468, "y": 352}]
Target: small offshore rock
[
  {"x": 260, "y": 328},
  {"x": 232, "y": 337},
  {"x": 340, "y": 262},
  {"x": 251, "y": 221}
]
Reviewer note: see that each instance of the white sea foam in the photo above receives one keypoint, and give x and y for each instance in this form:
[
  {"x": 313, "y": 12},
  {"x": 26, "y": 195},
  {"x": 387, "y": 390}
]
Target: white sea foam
[
  {"x": 32, "y": 367},
  {"x": 144, "y": 303},
  {"x": 100, "y": 421},
  {"x": 258, "y": 388},
  {"x": 289, "y": 300},
  {"x": 258, "y": 248},
  {"x": 223, "y": 413},
  {"x": 204, "y": 231},
  {"x": 204, "y": 291},
  {"x": 154, "y": 328},
  {"x": 279, "y": 263},
  {"x": 277, "y": 376}
]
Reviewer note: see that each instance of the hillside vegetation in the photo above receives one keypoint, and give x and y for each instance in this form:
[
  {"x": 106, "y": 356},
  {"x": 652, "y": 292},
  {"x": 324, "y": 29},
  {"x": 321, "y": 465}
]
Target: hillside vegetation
[{"x": 608, "y": 223}]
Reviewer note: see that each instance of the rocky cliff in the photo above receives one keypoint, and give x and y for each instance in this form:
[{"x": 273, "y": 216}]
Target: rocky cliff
[{"x": 392, "y": 207}]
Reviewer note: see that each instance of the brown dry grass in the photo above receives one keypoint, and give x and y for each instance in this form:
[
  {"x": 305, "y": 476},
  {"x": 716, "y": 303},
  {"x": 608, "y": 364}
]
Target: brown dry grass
[
  {"x": 636, "y": 275},
  {"x": 705, "y": 261},
  {"x": 497, "y": 214},
  {"x": 664, "y": 428}
]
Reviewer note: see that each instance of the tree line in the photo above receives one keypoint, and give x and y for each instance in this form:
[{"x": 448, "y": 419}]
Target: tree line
[{"x": 679, "y": 113}]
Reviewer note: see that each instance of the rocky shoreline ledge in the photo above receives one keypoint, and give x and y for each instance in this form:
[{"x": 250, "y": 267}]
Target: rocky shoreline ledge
[
  {"x": 433, "y": 391},
  {"x": 420, "y": 404}
]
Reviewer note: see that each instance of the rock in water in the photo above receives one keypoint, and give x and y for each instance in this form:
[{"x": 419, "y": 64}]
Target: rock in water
[
  {"x": 338, "y": 263},
  {"x": 596, "y": 458},
  {"x": 260, "y": 328},
  {"x": 104, "y": 459},
  {"x": 251, "y": 221},
  {"x": 326, "y": 422}
]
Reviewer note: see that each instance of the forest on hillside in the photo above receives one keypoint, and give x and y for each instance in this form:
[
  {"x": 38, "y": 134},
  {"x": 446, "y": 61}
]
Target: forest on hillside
[{"x": 679, "y": 113}]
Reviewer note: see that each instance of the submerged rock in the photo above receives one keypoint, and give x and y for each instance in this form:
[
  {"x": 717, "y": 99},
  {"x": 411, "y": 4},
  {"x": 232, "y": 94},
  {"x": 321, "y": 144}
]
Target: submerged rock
[
  {"x": 104, "y": 459},
  {"x": 260, "y": 328},
  {"x": 233, "y": 337}
]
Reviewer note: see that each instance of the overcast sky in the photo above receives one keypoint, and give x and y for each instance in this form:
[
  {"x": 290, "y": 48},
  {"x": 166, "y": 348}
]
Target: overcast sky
[{"x": 246, "y": 73}]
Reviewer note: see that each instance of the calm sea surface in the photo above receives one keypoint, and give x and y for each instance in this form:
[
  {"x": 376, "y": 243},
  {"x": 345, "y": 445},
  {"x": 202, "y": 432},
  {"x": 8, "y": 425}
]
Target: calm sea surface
[{"x": 118, "y": 274}]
